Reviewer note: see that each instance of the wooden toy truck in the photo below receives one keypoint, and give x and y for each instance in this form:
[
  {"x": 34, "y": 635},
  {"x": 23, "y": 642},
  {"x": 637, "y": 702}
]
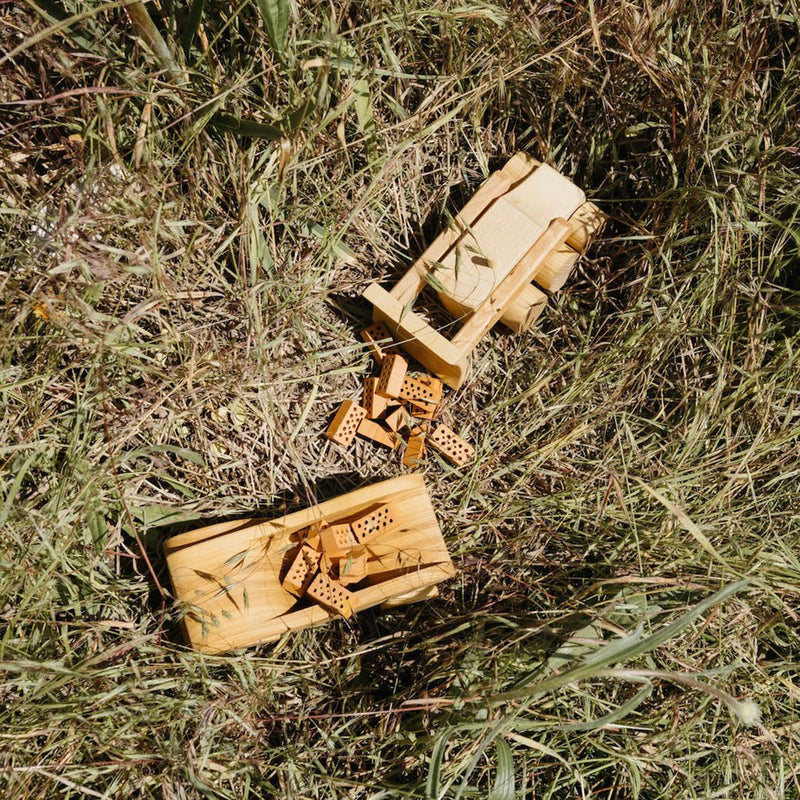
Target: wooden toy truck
[
  {"x": 516, "y": 239},
  {"x": 232, "y": 578}
]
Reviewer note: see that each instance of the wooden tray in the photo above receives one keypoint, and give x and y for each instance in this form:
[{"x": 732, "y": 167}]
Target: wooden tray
[{"x": 228, "y": 576}]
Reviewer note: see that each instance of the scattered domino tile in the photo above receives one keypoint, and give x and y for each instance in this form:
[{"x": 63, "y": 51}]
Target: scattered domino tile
[
  {"x": 379, "y": 434},
  {"x": 376, "y": 404},
  {"x": 369, "y": 526},
  {"x": 301, "y": 573},
  {"x": 345, "y": 424},
  {"x": 393, "y": 371},
  {"x": 336, "y": 540},
  {"x": 396, "y": 419},
  {"x": 375, "y": 336},
  {"x": 425, "y": 389},
  {"x": 331, "y": 595},
  {"x": 352, "y": 568},
  {"x": 419, "y": 408},
  {"x": 451, "y": 445},
  {"x": 415, "y": 451}
]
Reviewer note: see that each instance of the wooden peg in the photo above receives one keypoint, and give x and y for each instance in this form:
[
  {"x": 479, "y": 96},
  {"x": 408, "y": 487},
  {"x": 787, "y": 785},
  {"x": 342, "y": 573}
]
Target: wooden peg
[
  {"x": 372, "y": 430},
  {"x": 451, "y": 445},
  {"x": 377, "y": 522},
  {"x": 332, "y": 595},
  {"x": 377, "y": 337},
  {"x": 345, "y": 424},
  {"x": 302, "y": 571},
  {"x": 337, "y": 540},
  {"x": 393, "y": 371},
  {"x": 585, "y": 224}
]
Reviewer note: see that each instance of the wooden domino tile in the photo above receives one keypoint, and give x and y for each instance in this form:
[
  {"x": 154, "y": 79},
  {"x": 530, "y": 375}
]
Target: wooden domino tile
[
  {"x": 352, "y": 568},
  {"x": 345, "y": 424},
  {"x": 419, "y": 408},
  {"x": 397, "y": 419},
  {"x": 424, "y": 388},
  {"x": 393, "y": 371},
  {"x": 372, "y": 430},
  {"x": 302, "y": 571},
  {"x": 336, "y": 540},
  {"x": 376, "y": 336},
  {"x": 451, "y": 445},
  {"x": 331, "y": 595},
  {"x": 415, "y": 451},
  {"x": 376, "y": 404},
  {"x": 379, "y": 521}
]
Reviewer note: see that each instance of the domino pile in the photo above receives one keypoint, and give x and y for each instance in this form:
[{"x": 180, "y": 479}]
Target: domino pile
[
  {"x": 398, "y": 407},
  {"x": 333, "y": 556}
]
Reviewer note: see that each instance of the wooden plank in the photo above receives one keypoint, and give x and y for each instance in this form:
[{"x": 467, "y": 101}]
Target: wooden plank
[
  {"x": 418, "y": 338},
  {"x": 546, "y": 195},
  {"x": 474, "y": 268},
  {"x": 412, "y": 283}
]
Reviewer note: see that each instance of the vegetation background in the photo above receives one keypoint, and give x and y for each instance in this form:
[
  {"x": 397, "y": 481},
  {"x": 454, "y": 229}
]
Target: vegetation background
[{"x": 189, "y": 211}]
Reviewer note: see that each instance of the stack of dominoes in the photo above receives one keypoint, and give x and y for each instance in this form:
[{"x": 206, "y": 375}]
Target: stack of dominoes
[
  {"x": 333, "y": 556},
  {"x": 398, "y": 406}
]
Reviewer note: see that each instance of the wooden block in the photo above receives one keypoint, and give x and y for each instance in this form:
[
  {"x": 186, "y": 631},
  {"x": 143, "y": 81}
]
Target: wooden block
[
  {"x": 584, "y": 224},
  {"x": 377, "y": 522},
  {"x": 331, "y": 595},
  {"x": 525, "y": 309},
  {"x": 424, "y": 388},
  {"x": 376, "y": 432},
  {"x": 302, "y": 571},
  {"x": 451, "y": 445},
  {"x": 546, "y": 195},
  {"x": 376, "y": 404},
  {"x": 419, "y": 338},
  {"x": 377, "y": 337},
  {"x": 393, "y": 371},
  {"x": 485, "y": 255},
  {"x": 255, "y": 608},
  {"x": 397, "y": 419},
  {"x": 345, "y": 424},
  {"x": 557, "y": 268},
  {"x": 415, "y": 451},
  {"x": 337, "y": 540},
  {"x": 353, "y": 568}
]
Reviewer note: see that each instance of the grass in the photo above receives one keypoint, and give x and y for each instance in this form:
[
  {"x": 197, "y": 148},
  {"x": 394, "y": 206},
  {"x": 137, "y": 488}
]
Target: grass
[{"x": 178, "y": 316}]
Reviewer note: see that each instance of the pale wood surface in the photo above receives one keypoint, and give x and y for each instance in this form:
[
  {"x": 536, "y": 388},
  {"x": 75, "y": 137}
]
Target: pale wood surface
[
  {"x": 587, "y": 222},
  {"x": 469, "y": 262},
  {"x": 482, "y": 320},
  {"x": 228, "y": 575},
  {"x": 412, "y": 283},
  {"x": 417, "y": 337}
]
